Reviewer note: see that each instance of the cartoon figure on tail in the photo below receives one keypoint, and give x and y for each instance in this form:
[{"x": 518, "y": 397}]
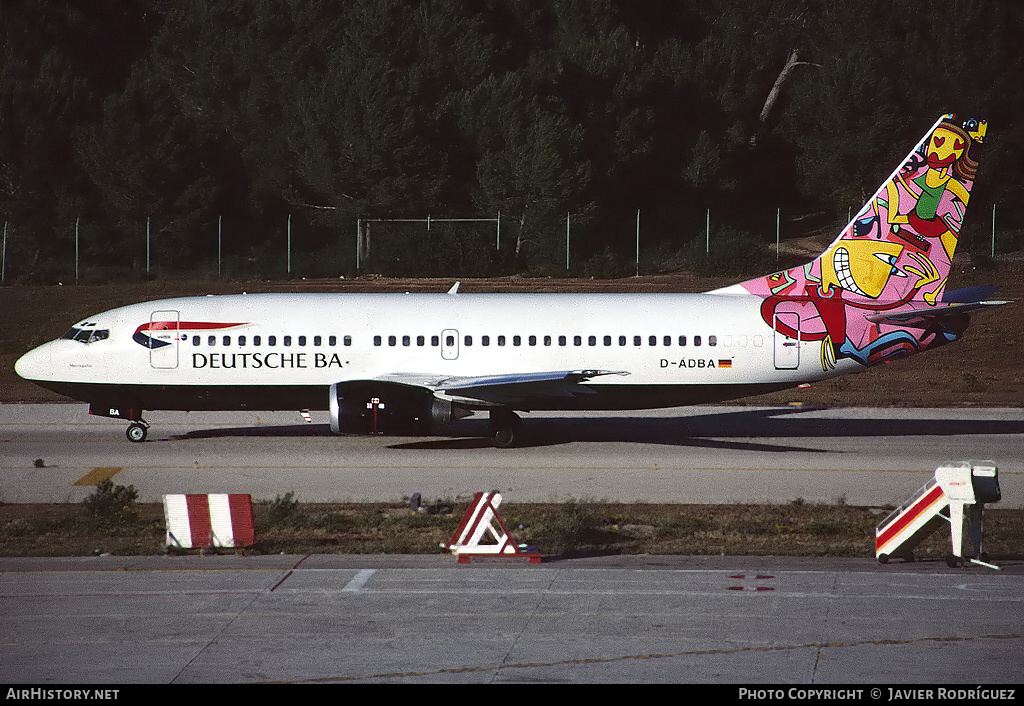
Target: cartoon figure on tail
[{"x": 876, "y": 293}]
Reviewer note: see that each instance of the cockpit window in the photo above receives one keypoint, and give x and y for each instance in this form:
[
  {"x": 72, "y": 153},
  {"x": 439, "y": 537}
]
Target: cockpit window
[{"x": 86, "y": 335}]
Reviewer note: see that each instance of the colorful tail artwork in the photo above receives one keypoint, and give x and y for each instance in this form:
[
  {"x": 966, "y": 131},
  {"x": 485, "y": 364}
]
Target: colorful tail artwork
[{"x": 876, "y": 293}]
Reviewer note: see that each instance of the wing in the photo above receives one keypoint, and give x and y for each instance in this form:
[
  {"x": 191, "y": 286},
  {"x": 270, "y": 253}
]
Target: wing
[{"x": 503, "y": 389}]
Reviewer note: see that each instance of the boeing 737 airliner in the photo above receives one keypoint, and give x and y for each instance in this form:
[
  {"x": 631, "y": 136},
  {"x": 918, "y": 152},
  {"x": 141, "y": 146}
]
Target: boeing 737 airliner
[{"x": 381, "y": 361}]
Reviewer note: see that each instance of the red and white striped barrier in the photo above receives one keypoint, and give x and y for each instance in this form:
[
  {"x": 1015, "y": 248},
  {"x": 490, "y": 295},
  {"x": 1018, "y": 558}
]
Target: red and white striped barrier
[
  {"x": 214, "y": 520},
  {"x": 482, "y": 533}
]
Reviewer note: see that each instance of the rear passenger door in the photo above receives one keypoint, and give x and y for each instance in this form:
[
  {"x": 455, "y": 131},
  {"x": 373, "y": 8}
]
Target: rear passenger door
[{"x": 450, "y": 344}]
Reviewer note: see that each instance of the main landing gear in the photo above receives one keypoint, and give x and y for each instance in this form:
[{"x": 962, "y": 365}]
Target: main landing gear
[
  {"x": 504, "y": 428},
  {"x": 137, "y": 431}
]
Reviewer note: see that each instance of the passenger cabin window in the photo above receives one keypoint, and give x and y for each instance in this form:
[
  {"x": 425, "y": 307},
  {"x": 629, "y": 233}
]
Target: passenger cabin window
[{"x": 241, "y": 340}]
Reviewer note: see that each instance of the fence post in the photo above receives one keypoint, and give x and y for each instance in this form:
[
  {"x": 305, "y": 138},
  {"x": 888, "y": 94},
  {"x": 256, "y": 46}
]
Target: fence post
[
  {"x": 220, "y": 218},
  {"x": 638, "y": 242},
  {"x": 147, "y": 246},
  {"x": 289, "y": 259},
  {"x": 76, "y": 248},
  {"x": 707, "y": 234},
  {"x": 778, "y": 218},
  {"x": 567, "y": 242}
]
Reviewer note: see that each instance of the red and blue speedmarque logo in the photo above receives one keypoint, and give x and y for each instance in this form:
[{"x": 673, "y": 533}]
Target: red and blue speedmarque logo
[{"x": 143, "y": 338}]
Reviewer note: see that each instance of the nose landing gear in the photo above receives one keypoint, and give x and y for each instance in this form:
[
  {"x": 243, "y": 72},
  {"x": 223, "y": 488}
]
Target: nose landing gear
[{"x": 137, "y": 431}]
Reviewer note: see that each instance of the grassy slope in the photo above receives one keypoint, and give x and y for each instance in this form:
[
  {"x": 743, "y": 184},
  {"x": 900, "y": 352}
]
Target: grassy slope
[{"x": 570, "y": 529}]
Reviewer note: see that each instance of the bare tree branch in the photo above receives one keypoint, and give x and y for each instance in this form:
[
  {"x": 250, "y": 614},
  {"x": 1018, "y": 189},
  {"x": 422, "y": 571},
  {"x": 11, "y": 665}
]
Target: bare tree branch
[{"x": 773, "y": 95}]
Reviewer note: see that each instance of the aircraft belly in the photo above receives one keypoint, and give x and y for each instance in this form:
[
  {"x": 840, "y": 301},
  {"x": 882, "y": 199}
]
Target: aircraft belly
[
  {"x": 622, "y": 397},
  {"x": 196, "y": 397}
]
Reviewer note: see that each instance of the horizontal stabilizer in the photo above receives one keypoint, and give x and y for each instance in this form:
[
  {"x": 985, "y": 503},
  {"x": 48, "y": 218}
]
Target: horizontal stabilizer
[
  {"x": 921, "y": 317},
  {"x": 969, "y": 295}
]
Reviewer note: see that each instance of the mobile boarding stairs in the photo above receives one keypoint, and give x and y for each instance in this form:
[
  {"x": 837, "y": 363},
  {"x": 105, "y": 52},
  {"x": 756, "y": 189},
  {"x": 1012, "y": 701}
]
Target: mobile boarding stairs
[{"x": 956, "y": 489}]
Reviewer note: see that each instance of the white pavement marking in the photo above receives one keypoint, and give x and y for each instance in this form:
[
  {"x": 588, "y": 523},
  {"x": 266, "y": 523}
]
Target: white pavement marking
[{"x": 359, "y": 580}]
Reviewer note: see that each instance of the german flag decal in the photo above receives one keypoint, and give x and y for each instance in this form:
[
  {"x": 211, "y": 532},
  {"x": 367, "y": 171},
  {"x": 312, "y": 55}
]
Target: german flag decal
[{"x": 725, "y": 362}]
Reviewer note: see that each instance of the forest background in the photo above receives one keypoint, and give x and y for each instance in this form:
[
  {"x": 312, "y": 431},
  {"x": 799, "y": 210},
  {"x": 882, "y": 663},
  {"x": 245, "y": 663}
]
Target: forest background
[{"x": 141, "y": 138}]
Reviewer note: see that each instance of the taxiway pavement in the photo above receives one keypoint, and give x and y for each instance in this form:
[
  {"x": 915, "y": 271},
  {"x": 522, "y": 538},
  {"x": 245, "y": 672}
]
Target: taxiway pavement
[
  {"x": 706, "y": 454},
  {"x": 333, "y": 619}
]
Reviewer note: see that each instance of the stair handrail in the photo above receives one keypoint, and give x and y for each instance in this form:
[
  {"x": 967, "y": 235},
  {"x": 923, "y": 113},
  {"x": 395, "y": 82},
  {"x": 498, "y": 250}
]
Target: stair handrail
[{"x": 913, "y": 499}]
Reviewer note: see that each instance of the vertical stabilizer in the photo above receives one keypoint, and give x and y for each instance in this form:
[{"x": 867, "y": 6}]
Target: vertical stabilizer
[{"x": 894, "y": 256}]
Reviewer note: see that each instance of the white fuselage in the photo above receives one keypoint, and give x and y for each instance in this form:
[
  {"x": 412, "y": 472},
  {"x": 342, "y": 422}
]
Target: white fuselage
[{"x": 669, "y": 344}]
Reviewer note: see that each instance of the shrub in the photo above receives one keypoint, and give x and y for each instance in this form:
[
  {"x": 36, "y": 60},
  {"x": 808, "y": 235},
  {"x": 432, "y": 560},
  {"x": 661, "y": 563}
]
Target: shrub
[
  {"x": 731, "y": 253},
  {"x": 565, "y": 529},
  {"x": 604, "y": 265},
  {"x": 283, "y": 512},
  {"x": 113, "y": 505}
]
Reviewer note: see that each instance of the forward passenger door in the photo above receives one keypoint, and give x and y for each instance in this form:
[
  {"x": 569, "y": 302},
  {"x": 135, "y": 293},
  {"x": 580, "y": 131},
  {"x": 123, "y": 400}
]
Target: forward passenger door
[{"x": 163, "y": 333}]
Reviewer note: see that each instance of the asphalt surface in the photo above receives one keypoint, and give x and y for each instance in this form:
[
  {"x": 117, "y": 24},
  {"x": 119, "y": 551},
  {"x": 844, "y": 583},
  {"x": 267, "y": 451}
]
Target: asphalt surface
[
  {"x": 404, "y": 619},
  {"x": 861, "y": 456},
  {"x": 343, "y": 619}
]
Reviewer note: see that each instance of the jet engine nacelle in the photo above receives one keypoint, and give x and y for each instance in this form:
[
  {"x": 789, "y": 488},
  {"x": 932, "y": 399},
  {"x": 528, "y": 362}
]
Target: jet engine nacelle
[
  {"x": 445, "y": 411},
  {"x": 369, "y": 407}
]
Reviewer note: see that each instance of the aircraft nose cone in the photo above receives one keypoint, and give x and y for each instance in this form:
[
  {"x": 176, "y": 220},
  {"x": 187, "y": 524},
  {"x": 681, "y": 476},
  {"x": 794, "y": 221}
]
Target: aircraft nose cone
[{"x": 36, "y": 364}]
